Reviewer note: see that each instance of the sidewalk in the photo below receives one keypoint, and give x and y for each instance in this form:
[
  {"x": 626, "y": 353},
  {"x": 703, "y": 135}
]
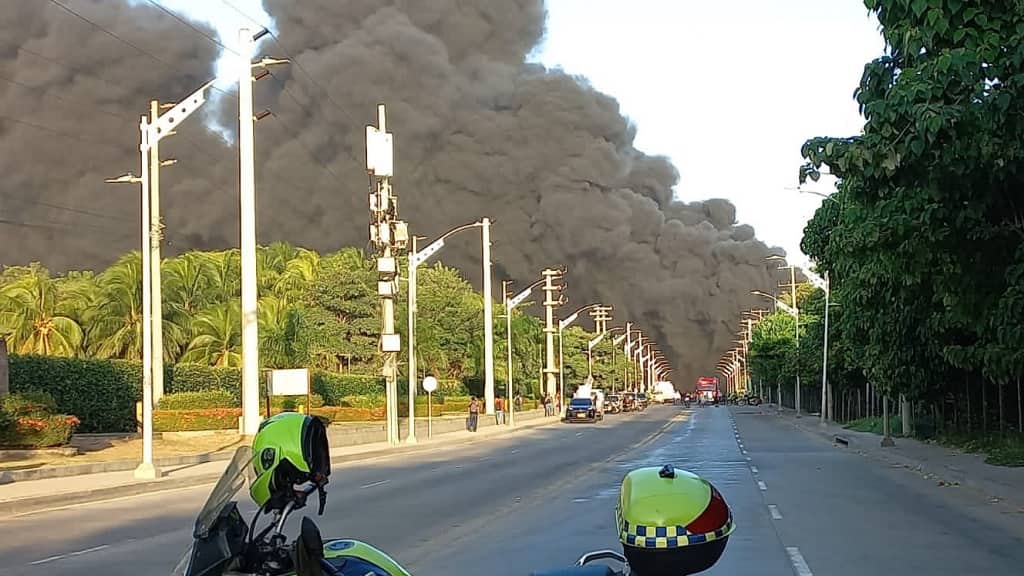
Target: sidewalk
[
  {"x": 998, "y": 483},
  {"x": 25, "y": 496}
]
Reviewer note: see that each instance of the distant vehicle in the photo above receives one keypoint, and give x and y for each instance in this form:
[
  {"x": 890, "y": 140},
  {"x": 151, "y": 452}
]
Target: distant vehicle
[
  {"x": 665, "y": 393},
  {"x": 613, "y": 403},
  {"x": 707, "y": 389},
  {"x": 629, "y": 403},
  {"x": 642, "y": 400},
  {"x": 581, "y": 410}
]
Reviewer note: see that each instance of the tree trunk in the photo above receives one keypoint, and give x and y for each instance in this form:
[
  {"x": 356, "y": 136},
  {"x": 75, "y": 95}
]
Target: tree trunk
[
  {"x": 984, "y": 408},
  {"x": 5, "y": 383},
  {"x": 1020, "y": 409},
  {"x": 967, "y": 390},
  {"x": 905, "y": 416},
  {"x": 1002, "y": 414}
]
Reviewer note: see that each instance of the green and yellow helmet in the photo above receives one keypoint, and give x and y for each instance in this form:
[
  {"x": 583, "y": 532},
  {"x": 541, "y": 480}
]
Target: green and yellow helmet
[
  {"x": 671, "y": 521},
  {"x": 289, "y": 449}
]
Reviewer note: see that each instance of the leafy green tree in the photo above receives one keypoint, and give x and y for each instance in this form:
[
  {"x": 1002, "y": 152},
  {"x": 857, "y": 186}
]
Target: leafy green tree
[
  {"x": 114, "y": 319},
  {"x": 216, "y": 336},
  {"x": 35, "y": 315}
]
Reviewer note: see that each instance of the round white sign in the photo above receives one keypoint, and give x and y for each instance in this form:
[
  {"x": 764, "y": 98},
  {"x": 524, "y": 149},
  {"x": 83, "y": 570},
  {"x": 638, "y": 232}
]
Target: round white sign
[{"x": 430, "y": 383}]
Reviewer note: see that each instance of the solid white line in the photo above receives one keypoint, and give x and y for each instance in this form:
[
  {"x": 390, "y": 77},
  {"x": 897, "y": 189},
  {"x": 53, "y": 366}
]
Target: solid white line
[
  {"x": 578, "y": 434},
  {"x": 88, "y": 550},
  {"x": 799, "y": 564},
  {"x": 50, "y": 559},
  {"x": 776, "y": 515},
  {"x": 762, "y": 485},
  {"x": 753, "y": 469},
  {"x": 68, "y": 555},
  {"x": 372, "y": 484}
]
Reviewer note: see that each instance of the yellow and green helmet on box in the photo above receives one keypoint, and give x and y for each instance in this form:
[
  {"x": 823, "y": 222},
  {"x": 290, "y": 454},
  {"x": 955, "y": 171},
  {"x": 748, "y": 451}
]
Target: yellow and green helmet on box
[{"x": 671, "y": 521}]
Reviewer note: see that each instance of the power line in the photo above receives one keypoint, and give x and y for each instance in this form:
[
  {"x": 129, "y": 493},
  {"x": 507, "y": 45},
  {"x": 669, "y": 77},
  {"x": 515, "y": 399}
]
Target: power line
[
  {"x": 295, "y": 62},
  {"x": 171, "y": 13},
  {"x": 60, "y": 99},
  {"x": 126, "y": 42},
  {"x": 66, "y": 208},
  {"x": 56, "y": 132}
]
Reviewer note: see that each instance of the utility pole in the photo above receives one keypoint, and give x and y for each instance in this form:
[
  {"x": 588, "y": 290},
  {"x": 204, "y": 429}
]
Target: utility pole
[
  {"x": 389, "y": 236},
  {"x": 410, "y": 437},
  {"x": 509, "y": 388},
  {"x": 824, "y": 362},
  {"x": 488, "y": 319},
  {"x": 155, "y": 237},
  {"x": 550, "y": 303}
]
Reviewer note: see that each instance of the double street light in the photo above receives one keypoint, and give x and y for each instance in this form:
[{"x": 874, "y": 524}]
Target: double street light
[
  {"x": 562, "y": 325},
  {"x": 151, "y": 130},
  {"x": 510, "y": 305},
  {"x": 415, "y": 260}
]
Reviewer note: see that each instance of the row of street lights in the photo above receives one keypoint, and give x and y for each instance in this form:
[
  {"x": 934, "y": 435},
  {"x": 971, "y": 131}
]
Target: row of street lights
[{"x": 162, "y": 121}]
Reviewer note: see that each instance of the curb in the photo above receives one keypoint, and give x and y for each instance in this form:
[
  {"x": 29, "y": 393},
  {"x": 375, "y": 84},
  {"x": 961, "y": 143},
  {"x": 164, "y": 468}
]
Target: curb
[
  {"x": 9, "y": 476},
  {"x": 35, "y": 504}
]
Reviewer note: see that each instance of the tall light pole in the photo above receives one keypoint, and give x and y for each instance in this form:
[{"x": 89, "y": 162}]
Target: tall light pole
[
  {"x": 247, "y": 228},
  {"x": 823, "y": 284},
  {"x": 562, "y": 325},
  {"x": 796, "y": 315},
  {"x": 550, "y": 303},
  {"x": 510, "y": 305},
  {"x": 146, "y": 469},
  {"x": 417, "y": 258}
]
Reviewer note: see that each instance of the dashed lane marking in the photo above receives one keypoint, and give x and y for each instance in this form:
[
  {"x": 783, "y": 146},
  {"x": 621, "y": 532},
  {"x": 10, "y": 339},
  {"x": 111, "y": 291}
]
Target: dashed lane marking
[
  {"x": 372, "y": 484},
  {"x": 799, "y": 564},
  {"x": 762, "y": 485},
  {"x": 776, "y": 515},
  {"x": 68, "y": 555}
]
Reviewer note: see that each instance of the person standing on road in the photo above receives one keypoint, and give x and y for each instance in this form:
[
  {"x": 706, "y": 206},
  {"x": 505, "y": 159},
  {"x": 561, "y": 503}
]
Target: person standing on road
[
  {"x": 499, "y": 411},
  {"x": 519, "y": 402},
  {"x": 474, "y": 413}
]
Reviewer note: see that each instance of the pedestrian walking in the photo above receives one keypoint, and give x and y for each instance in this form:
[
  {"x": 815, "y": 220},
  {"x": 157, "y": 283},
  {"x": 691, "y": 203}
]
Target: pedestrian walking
[
  {"x": 519, "y": 402},
  {"x": 499, "y": 411},
  {"x": 474, "y": 414}
]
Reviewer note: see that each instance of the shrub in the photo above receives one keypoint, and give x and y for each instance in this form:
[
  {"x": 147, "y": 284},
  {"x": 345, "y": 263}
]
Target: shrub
[
  {"x": 32, "y": 403},
  {"x": 102, "y": 393},
  {"x": 188, "y": 420},
  {"x": 280, "y": 402},
  {"x": 200, "y": 378},
  {"x": 334, "y": 387},
  {"x": 39, "y": 431},
  {"x": 198, "y": 400},
  {"x": 363, "y": 401},
  {"x": 345, "y": 414}
]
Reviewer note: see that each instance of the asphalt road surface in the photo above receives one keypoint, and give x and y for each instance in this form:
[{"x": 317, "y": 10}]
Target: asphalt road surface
[{"x": 539, "y": 499}]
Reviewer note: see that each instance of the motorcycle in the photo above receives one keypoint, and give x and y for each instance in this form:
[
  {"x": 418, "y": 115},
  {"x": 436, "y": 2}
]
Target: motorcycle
[{"x": 224, "y": 544}]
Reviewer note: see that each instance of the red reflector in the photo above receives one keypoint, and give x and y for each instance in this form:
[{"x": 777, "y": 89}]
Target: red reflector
[{"x": 713, "y": 517}]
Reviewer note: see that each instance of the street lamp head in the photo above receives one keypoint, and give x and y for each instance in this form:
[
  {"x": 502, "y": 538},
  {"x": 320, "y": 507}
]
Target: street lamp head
[
  {"x": 267, "y": 61},
  {"x": 263, "y": 32},
  {"x": 261, "y": 115},
  {"x": 775, "y": 257},
  {"x": 127, "y": 178}
]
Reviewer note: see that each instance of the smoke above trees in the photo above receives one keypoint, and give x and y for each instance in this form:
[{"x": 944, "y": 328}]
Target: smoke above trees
[{"x": 479, "y": 131}]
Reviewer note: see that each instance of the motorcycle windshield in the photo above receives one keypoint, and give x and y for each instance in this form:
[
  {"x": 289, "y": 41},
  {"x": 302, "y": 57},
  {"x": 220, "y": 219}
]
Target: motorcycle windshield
[{"x": 238, "y": 473}]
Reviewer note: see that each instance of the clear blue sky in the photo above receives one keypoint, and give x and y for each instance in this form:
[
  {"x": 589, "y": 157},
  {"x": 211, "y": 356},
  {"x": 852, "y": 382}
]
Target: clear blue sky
[{"x": 728, "y": 89}]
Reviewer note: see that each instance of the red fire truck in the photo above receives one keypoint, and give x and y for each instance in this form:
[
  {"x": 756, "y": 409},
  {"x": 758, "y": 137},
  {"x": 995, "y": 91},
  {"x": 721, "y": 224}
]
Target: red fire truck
[{"x": 707, "y": 389}]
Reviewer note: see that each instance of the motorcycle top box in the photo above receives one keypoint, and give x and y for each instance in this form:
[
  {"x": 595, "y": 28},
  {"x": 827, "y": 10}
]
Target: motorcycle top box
[{"x": 671, "y": 522}]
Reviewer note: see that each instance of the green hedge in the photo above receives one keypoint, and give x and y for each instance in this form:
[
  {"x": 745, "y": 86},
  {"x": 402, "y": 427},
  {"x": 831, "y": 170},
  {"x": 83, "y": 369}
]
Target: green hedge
[
  {"x": 101, "y": 393},
  {"x": 333, "y": 388},
  {"x": 198, "y": 400}
]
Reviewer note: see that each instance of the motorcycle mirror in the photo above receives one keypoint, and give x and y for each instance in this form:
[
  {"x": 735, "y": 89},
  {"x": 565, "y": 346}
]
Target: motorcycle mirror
[{"x": 309, "y": 550}]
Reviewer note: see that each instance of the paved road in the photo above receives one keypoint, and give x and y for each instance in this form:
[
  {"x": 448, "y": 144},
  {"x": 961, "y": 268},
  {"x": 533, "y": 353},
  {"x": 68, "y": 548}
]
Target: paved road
[{"x": 539, "y": 499}]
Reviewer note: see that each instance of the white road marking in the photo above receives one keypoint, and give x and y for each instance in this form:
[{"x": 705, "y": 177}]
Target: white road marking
[
  {"x": 753, "y": 469},
  {"x": 579, "y": 500},
  {"x": 748, "y": 458},
  {"x": 514, "y": 451},
  {"x": 578, "y": 434},
  {"x": 799, "y": 564},
  {"x": 744, "y": 451},
  {"x": 485, "y": 459},
  {"x": 776, "y": 515},
  {"x": 372, "y": 484},
  {"x": 68, "y": 555},
  {"x": 762, "y": 485}
]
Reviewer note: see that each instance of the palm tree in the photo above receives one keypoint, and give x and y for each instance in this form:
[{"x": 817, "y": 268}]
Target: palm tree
[
  {"x": 115, "y": 318},
  {"x": 216, "y": 336},
  {"x": 225, "y": 269},
  {"x": 284, "y": 335},
  {"x": 34, "y": 315},
  {"x": 298, "y": 275}
]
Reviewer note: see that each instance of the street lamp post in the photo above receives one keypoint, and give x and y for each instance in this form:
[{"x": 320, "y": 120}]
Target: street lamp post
[
  {"x": 510, "y": 304},
  {"x": 415, "y": 260},
  {"x": 562, "y": 325}
]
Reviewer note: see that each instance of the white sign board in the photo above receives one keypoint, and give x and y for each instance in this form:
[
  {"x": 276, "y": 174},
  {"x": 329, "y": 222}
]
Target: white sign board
[
  {"x": 430, "y": 383},
  {"x": 289, "y": 382}
]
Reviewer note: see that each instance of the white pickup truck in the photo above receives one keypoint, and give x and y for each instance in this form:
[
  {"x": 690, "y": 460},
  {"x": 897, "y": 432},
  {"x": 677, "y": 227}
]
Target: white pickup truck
[{"x": 666, "y": 393}]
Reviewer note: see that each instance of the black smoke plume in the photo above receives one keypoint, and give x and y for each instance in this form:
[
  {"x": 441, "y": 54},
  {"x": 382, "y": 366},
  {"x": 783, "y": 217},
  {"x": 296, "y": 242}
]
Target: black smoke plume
[{"x": 479, "y": 131}]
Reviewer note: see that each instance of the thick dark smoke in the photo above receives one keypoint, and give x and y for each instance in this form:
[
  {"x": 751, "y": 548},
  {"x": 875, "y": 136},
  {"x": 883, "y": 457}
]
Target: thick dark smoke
[{"x": 478, "y": 132}]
